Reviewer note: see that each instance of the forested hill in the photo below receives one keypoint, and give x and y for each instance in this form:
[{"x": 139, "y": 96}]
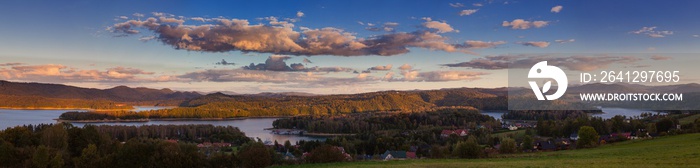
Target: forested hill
[
  {"x": 50, "y": 94},
  {"x": 218, "y": 105}
]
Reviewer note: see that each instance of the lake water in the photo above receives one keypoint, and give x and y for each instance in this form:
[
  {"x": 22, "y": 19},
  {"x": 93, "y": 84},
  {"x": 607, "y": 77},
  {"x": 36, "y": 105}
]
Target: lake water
[
  {"x": 494, "y": 114},
  {"x": 610, "y": 112},
  {"x": 253, "y": 127}
]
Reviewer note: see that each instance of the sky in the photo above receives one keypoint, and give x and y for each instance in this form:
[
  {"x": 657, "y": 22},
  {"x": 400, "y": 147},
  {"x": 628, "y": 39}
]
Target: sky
[{"x": 335, "y": 47}]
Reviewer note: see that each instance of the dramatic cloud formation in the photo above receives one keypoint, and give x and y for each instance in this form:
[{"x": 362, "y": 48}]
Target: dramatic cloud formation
[
  {"x": 660, "y": 57},
  {"x": 564, "y": 41},
  {"x": 441, "y": 27},
  {"x": 62, "y": 73},
  {"x": 471, "y": 44},
  {"x": 381, "y": 68},
  {"x": 456, "y": 5},
  {"x": 468, "y": 12},
  {"x": 278, "y": 37},
  {"x": 556, "y": 9},
  {"x": 523, "y": 24},
  {"x": 540, "y": 44},
  {"x": 651, "y": 32},
  {"x": 581, "y": 63}
]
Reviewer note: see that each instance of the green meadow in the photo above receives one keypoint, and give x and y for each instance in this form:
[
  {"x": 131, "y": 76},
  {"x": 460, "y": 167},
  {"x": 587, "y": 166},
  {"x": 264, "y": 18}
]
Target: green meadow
[{"x": 670, "y": 151}]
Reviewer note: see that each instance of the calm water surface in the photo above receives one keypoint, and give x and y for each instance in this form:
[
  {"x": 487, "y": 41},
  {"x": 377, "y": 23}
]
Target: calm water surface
[{"x": 253, "y": 127}]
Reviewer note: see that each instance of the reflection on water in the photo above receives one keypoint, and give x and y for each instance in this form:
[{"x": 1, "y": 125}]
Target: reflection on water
[{"x": 253, "y": 127}]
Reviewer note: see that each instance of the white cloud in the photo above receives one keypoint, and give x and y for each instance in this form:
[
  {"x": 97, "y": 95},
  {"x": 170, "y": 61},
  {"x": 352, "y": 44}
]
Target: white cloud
[
  {"x": 652, "y": 32},
  {"x": 300, "y": 14},
  {"x": 523, "y": 24},
  {"x": 456, "y": 5},
  {"x": 441, "y": 27},
  {"x": 565, "y": 41},
  {"x": 478, "y": 4},
  {"x": 556, "y": 9},
  {"x": 468, "y": 12}
]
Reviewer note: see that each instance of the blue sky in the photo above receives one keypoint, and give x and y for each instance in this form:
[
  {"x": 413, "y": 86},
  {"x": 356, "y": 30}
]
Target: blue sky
[{"x": 86, "y": 43}]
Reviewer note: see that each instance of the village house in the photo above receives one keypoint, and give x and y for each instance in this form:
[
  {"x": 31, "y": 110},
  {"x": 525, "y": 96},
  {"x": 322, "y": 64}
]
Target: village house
[
  {"x": 397, "y": 155},
  {"x": 545, "y": 146}
]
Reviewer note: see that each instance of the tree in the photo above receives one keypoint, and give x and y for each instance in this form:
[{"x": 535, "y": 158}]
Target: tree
[
  {"x": 88, "y": 158},
  {"x": 325, "y": 154},
  {"x": 527, "y": 142},
  {"x": 467, "y": 149},
  {"x": 664, "y": 125},
  {"x": 255, "y": 155},
  {"x": 508, "y": 146},
  {"x": 57, "y": 161},
  {"x": 41, "y": 157},
  {"x": 587, "y": 137}
]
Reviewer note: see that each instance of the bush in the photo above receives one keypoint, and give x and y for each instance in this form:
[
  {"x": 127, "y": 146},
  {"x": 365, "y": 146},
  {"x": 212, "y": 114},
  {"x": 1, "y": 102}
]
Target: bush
[
  {"x": 588, "y": 137},
  {"x": 507, "y": 146},
  {"x": 325, "y": 154},
  {"x": 467, "y": 149},
  {"x": 255, "y": 155}
]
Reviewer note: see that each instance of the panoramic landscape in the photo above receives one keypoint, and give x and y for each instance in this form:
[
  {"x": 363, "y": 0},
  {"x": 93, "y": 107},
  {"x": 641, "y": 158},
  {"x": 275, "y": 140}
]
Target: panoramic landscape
[{"x": 482, "y": 83}]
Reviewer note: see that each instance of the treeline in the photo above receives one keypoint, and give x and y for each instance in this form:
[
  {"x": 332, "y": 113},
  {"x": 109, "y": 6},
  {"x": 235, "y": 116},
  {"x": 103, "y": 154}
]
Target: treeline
[
  {"x": 63, "y": 145},
  {"x": 229, "y": 106},
  {"x": 360, "y": 123},
  {"x": 43, "y": 102},
  {"x": 188, "y": 133}
]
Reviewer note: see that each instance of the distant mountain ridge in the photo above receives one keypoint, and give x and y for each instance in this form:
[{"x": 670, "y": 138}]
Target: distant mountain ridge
[{"x": 116, "y": 94}]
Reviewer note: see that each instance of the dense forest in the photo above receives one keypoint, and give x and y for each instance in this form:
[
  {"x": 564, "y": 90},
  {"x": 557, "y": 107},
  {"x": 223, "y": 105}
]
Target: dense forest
[
  {"x": 63, "y": 145},
  {"x": 219, "y": 105},
  {"x": 361, "y": 123}
]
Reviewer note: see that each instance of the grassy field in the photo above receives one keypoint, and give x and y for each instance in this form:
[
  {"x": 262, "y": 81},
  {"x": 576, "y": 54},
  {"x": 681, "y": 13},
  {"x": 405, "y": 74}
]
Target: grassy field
[
  {"x": 689, "y": 119},
  {"x": 516, "y": 134},
  {"x": 671, "y": 151}
]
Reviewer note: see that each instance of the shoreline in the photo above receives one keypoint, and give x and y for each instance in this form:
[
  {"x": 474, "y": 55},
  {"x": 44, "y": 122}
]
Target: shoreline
[
  {"x": 86, "y": 109},
  {"x": 165, "y": 119},
  {"x": 326, "y": 134}
]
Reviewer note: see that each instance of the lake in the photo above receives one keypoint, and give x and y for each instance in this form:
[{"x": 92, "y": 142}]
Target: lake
[
  {"x": 252, "y": 127},
  {"x": 494, "y": 114},
  {"x": 610, "y": 112}
]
